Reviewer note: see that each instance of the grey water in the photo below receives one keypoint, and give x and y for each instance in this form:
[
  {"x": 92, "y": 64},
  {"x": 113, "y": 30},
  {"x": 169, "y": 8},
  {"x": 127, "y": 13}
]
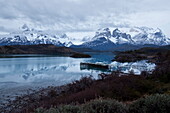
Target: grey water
[
  {"x": 42, "y": 70},
  {"x": 47, "y": 70},
  {"x": 17, "y": 74}
]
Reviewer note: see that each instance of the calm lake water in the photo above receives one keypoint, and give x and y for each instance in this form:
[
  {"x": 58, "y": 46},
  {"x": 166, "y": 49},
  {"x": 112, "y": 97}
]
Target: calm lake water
[
  {"x": 46, "y": 70},
  {"x": 17, "y": 75},
  {"x": 52, "y": 70}
]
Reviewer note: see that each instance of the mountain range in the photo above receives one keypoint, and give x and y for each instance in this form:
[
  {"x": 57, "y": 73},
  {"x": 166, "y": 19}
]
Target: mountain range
[
  {"x": 126, "y": 38},
  {"x": 103, "y": 39}
]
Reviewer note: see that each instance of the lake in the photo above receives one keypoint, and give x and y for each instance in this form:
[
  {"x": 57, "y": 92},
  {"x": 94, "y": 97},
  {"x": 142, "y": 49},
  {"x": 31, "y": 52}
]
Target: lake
[
  {"x": 22, "y": 73},
  {"x": 46, "y": 69}
]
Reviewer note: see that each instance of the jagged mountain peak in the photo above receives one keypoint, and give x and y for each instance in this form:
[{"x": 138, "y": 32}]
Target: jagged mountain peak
[
  {"x": 126, "y": 37},
  {"x": 134, "y": 35},
  {"x": 103, "y": 32},
  {"x": 103, "y": 37},
  {"x": 27, "y": 36},
  {"x": 117, "y": 30},
  {"x": 64, "y": 36},
  {"x": 25, "y": 27}
]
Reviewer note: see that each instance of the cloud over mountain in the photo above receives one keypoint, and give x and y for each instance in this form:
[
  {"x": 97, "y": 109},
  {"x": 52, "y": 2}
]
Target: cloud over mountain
[{"x": 83, "y": 14}]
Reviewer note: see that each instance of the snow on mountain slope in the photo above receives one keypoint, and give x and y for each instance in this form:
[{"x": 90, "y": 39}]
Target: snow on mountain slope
[
  {"x": 103, "y": 38},
  {"x": 29, "y": 36},
  {"x": 140, "y": 36},
  {"x": 127, "y": 36}
]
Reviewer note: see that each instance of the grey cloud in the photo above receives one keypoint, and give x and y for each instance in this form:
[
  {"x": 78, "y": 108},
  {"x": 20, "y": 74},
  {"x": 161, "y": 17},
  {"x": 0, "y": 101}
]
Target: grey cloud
[
  {"x": 74, "y": 14},
  {"x": 2, "y": 28},
  {"x": 63, "y": 10}
]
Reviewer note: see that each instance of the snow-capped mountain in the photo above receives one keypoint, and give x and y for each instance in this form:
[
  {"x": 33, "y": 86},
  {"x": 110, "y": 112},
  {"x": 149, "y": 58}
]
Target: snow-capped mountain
[
  {"x": 27, "y": 36},
  {"x": 132, "y": 36},
  {"x": 105, "y": 38}
]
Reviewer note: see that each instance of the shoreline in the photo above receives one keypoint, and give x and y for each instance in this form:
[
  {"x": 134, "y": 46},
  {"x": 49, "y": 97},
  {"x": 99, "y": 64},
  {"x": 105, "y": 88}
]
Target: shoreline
[
  {"x": 63, "y": 94},
  {"x": 110, "y": 86}
]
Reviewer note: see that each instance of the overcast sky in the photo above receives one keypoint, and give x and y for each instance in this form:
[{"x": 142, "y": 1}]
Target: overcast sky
[{"x": 82, "y": 15}]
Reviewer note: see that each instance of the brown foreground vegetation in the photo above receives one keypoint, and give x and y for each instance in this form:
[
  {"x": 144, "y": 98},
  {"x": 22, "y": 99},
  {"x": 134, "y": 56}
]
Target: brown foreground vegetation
[{"x": 126, "y": 89}]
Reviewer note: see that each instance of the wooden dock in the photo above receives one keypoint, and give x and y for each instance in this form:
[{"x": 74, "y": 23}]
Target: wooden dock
[{"x": 93, "y": 65}]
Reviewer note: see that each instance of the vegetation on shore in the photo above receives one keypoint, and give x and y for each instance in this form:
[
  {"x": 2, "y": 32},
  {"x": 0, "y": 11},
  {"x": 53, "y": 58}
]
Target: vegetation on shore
[
  {"x": 133, "y": 91},
  {"x": 159, "y": 56},
  {"x": 147, "y": 53},
  {"x": 125, "y": 91},
  {"x": 35, "y": 49},
  {"x": 111, "y": 93},
  {"x": 159, "y": 103},
  {"x": 44, "y": 49}
]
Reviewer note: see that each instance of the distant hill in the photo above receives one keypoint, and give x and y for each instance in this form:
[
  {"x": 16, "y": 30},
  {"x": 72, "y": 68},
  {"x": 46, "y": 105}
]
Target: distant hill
[
  {"x": 151, "y": 50},
  {"x": 166, "y": 47},
  {"x": 153, "y": 54},
  {"x": 35, "y": 49}
]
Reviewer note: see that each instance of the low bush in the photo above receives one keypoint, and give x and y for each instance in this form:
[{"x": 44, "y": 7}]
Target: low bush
[
  {"x": 95, "y": 106},
  {"x": 69, "y": 109},
  {"x": 151, "y": 104},
  {"x": 60, "y": 109},
  {"x": 104, "y": 106},
  {"x": 124, "y": 88}
]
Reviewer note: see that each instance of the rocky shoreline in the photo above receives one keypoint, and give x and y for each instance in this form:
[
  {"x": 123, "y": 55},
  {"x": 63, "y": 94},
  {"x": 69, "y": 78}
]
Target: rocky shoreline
[{"x": 31, "y": 96}]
